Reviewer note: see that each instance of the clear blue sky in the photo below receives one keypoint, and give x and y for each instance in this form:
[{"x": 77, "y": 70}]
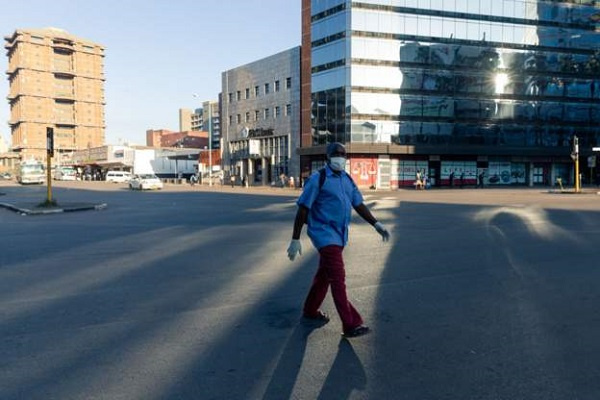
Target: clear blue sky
[{"x": 159, "y": 52}]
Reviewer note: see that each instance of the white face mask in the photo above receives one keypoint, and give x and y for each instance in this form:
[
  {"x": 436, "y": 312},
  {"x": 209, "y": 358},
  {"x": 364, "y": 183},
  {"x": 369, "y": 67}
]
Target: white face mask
[{"x": 337, "y": 163}]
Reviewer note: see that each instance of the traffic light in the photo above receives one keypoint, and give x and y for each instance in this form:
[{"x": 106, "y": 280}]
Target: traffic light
[
  {"x": 50, "y": 141},
  {"x": 575, "y": 152}
]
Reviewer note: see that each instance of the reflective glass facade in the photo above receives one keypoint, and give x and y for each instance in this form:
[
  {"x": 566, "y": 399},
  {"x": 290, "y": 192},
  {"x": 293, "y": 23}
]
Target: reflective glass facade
[{"x": 463, "y": 77}]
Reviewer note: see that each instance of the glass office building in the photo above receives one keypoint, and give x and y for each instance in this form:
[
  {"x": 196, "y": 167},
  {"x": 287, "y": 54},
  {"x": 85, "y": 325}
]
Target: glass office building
[{"x": 452, "y": 88}]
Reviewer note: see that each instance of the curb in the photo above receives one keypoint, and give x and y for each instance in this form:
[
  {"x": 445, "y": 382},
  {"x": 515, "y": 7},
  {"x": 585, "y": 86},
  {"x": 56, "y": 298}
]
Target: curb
[{"x": 27, "y": 211}]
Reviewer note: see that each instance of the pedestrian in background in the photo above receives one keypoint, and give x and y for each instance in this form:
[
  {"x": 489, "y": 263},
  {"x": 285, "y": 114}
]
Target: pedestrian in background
[
  {"x": 325, "y": 206},
  {"x": 418, "y": 181},
  {"x": 282, "y": 179},
  {"x": 232, "y": 179}
]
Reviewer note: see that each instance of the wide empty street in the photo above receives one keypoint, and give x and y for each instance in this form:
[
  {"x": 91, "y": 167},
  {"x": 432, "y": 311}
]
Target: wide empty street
[{"x": 187, "y": 293}]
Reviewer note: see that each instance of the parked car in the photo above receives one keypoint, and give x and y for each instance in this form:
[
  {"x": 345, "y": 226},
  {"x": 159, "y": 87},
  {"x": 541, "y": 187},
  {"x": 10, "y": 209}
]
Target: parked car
[
  {"x": 6, "y": 176},
  {"x": 145, "y": 181},
  {"x": 65, "y": 174},
  {"x": 118, "y": 176}
]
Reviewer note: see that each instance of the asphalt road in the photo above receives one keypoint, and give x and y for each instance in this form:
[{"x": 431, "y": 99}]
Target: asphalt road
[{"x": 187, "y": 293}]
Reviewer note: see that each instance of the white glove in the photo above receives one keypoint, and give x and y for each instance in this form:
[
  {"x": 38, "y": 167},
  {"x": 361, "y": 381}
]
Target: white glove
[
  {"x": 385, "y": 235},
  {"x": 294, "y": 248}
]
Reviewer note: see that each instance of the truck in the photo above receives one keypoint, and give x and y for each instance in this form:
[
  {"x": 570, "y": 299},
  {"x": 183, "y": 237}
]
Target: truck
[{"x": 31, "y": 171}]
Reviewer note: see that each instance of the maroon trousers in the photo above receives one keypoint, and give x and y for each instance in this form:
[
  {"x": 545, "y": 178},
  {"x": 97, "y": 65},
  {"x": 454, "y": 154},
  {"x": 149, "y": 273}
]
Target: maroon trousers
[{"x": 331, "y": 273}]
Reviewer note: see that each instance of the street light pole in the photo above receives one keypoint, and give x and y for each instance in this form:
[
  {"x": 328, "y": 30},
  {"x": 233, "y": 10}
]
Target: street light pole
[
  {"x": 575, "y": 157},
  {"x": 209, "y": 141},
  {"x": 209, "y": 144}
]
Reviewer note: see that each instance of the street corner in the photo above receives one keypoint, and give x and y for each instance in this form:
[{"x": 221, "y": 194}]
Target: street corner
[{"x": 37, "y": 209}]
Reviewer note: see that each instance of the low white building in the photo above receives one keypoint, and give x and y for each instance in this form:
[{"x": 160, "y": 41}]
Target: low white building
[{"x": 163, "y": 162}]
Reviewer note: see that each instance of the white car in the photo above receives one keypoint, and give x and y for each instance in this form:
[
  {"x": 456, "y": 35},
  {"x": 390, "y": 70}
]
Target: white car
[
  {"x": 118, "y": 176},
  {"x": 145, "y": 181}
]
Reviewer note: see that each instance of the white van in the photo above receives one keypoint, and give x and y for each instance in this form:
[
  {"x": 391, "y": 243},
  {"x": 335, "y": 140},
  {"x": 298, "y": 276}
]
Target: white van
[{"x": 118, "y": 176}]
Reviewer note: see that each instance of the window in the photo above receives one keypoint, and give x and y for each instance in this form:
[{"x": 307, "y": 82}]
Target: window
[
  {"x": 267, "y": 113},
  {"x": 256, "y": 115},
  {"x": 288, "y": 109},
  {"x": 230, "y": 97},
  {"x": 247, "y": 93},
  {"x": 256, "y": 91},
  {"x": 288, "y": 83},
  {"x": 238, "y": 95},
  {"x": 277, "y": 112},
  {"x": 239, "y": 119},
  {"x": 247, "y": 116},
  {"x": 277, "y": 86},
  {"x": 267, "y": 88},
  {"x": 230, "y": 119}
]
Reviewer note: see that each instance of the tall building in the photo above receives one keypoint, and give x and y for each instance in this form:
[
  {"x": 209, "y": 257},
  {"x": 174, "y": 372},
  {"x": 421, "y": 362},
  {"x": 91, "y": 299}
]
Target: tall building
[
  {"x": 452, "y": 88},
  {"x": 56, "y": 80},
  {"x": 260, "y": 109},
  {"x": 205, "y": 119},
  {"x": 211, "y": 122},
  {"x": 190, "y": 120}
]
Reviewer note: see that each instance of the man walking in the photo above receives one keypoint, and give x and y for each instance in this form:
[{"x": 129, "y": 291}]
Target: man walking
[
  {"x": 325, "y": 205},
  {"x": 480, "y": 179}
]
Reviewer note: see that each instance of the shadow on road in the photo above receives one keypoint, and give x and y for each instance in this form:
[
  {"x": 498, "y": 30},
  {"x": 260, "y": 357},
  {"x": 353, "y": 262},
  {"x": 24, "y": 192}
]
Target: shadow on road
[{"x": 194, "y": 298}]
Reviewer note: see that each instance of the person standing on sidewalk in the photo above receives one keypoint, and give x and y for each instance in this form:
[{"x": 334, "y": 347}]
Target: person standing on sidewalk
[{"x": 325, "y": 205}]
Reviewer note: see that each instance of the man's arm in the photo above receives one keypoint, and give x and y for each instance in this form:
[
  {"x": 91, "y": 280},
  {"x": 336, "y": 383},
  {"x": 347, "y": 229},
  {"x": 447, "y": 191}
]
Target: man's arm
[
  {"x": 365, "y": 213},
  {"x": 295, "y": 245},
  {"x": 301, "y": 218}
]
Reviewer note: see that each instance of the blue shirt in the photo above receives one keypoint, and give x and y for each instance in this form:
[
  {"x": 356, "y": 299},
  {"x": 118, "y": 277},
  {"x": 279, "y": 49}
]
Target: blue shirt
[{"x": 330, "y": 208}]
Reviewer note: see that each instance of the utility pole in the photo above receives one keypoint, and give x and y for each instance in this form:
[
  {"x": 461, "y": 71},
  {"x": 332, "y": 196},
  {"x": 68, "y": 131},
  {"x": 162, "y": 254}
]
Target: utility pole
[
  {"x": 593, "y": 177},
  {"x": 575, "y": 157},
  {"x": 209, "y": 143},
  {"x": 49, "y": 155}
]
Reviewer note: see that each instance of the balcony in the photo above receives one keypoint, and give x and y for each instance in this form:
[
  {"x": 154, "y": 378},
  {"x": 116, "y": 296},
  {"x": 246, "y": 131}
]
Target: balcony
[
  {"x": 65, "y": 121},
  {"x": 63, "y": 70},
  {"x": 64, "y": 94},
  {"x": 63, "y": 46}
]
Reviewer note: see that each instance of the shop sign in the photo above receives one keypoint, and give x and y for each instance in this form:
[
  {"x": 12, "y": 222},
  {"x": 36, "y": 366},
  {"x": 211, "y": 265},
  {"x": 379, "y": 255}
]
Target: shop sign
[
  {"x": 260, "y": 132},
  {"x": 254, "y": 148}
]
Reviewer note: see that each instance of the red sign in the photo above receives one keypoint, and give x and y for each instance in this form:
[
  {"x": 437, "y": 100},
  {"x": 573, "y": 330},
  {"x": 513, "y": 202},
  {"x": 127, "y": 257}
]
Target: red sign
[{"x": 364, "y": 171}]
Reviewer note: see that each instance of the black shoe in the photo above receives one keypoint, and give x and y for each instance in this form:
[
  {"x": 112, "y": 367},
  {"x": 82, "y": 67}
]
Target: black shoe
[
  {"x": 358, "y": 331},
  {"x": 320, "y": 318}
]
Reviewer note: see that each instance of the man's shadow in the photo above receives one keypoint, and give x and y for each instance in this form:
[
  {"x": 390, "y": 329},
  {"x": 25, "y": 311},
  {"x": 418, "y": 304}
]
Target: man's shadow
[
  {"x": 346, "y": 373},
  {"x": 286, "y": 373}
]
